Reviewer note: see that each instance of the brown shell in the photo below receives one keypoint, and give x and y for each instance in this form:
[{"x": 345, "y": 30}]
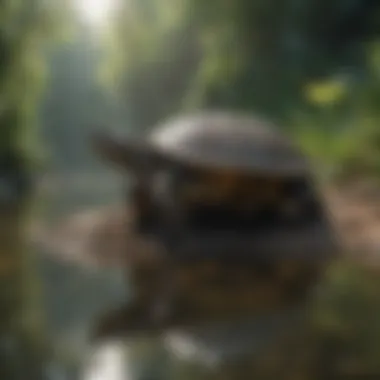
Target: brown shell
[{"x": 228, "y": 140}]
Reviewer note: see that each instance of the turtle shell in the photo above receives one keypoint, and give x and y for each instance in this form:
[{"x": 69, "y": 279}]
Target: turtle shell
[
  {"x": 228, "y": 140},
  {"x": 211, "y": 140}
]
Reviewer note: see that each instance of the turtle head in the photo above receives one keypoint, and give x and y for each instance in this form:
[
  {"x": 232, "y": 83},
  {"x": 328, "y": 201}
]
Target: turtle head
[
  {"x": 128, "y": 154},
  {"x": 153, "y": 177}
]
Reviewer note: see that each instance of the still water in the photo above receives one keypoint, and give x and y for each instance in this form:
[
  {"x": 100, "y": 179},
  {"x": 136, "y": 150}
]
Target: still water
[
  {"x": 73, "y": 295},
  {"x": 69, "y": 299}
]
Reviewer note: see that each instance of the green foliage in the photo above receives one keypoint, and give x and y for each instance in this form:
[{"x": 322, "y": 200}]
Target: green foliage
[
  {"x": 25, "y": 29},
  {"x": 345, "y": 134},
  {"x": 270, "y": 57},
  {"x": 277, "y": 48},
  {"x": 318, "y": 59},
  {"x": 345, "y": 312}
]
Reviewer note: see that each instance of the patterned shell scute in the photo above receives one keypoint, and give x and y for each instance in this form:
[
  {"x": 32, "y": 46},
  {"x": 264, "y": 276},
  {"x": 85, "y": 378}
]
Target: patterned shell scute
[{"x": 228, "y": 140}]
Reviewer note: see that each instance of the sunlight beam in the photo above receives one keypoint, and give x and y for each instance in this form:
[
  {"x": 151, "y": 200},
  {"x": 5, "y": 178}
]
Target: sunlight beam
[{"x": 96, "y": 13}]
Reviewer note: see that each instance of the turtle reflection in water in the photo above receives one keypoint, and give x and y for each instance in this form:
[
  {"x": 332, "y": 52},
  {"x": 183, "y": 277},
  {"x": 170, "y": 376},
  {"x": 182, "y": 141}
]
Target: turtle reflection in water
[{"x": 225, "y": 223}]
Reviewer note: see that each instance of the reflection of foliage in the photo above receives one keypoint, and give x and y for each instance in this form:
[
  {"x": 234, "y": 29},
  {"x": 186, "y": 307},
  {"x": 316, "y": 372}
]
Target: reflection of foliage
[
  {"x": 346, "y": 316},
  {"x": 20, "y": 316},
  {"x": 341, "y": 340}
]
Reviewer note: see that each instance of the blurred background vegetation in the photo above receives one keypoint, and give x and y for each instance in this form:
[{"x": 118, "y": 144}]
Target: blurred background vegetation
[
  {"x": 311, "y": 65},
  {"x": 68, "y": 67}
]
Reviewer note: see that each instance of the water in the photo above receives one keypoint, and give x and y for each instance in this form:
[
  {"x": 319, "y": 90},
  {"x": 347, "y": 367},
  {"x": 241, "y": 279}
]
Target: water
[
  {"x": 75, "y": 295},
  {"x": 107, "y": 363}
]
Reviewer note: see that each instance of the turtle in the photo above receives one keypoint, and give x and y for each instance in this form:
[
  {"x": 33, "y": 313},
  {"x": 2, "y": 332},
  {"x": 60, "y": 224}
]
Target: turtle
[{"x": 225, "y": 218}]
